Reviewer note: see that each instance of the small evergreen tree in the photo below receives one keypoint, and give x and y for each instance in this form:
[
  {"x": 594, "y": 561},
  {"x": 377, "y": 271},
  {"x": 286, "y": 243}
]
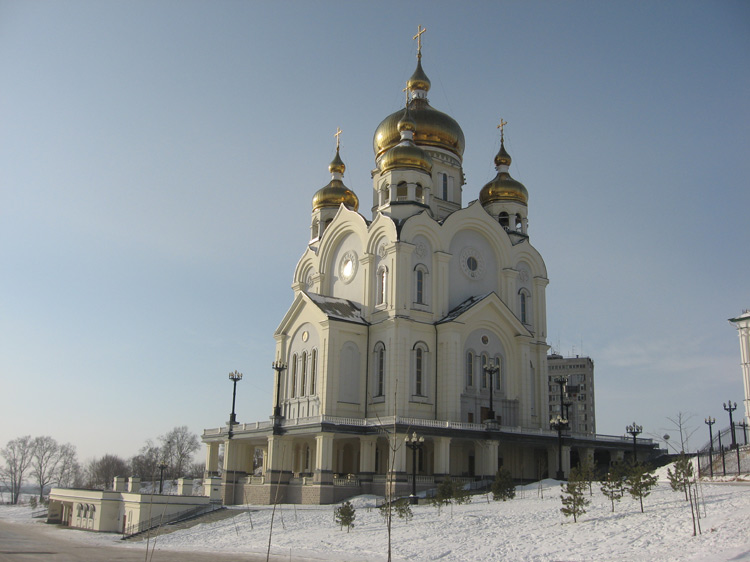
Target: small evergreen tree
[
  {"x": 459, "y": 493},
  {"x": 679, "y": 480},
  {"x": 588, "y": 473},
  {"x": 639, "y": 481},
  {"x": 345, "y": 515},
  {"x": 443, "y": 494},
  {"x": 403, "y": 509},
  {"x": 574, "y": 500},
  {"x": 503, "y": 487},
  {"x": 613, "y": 485}
]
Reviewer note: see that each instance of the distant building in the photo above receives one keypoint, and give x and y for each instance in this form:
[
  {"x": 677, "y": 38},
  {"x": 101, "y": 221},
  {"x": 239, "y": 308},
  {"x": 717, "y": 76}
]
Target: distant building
[
  {"x": 578, "y": 391},
  {"x": 743, "y": 327}
]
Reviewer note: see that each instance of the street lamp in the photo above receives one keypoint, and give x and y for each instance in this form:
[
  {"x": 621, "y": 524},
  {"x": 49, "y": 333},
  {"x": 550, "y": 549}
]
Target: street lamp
[
  {"x": 279, "y": 367},
  {"x": 162, "y": 467},
  {"x": 709, "y": 421},
  {"x": 731, "y": 408},
  {"x": 234, "y": 377},
  {"x": 491, "y": 368},
  {"x": 559, "y": 423},
  {"x": 415, "y": 442},
  {"x": 634, "y": 430},
  {"x": 562, "y": 381}
]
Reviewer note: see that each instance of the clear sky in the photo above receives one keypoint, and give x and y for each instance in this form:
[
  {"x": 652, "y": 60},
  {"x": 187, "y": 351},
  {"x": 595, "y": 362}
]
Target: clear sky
[{"x": 158, "y": 160}]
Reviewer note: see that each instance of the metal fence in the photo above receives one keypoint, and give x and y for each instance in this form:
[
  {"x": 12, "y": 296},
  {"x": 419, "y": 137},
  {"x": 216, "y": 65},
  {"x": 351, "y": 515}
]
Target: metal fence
[{"x": 727, "y": 455}]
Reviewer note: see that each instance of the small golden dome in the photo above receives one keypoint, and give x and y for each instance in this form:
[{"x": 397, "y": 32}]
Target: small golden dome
[
  {"x": 406, "y": 155},
  {"x": 419, "y": 80},
  {"x": 335, "y": 193},
  {"x": 337, "y": 165},
  {"x": 503, "y": 187},
  {"x": 502, "y": 158}
]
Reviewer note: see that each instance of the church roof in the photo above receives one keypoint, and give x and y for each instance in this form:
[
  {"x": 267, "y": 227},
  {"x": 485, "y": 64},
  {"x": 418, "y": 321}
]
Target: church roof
[
  {"x": 339, "y": 309},
  {"x": 463, "y": 307}
]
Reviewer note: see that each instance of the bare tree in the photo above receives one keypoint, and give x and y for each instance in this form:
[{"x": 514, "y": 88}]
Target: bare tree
[
  {"x": 44, "y": 462},
  {"x": 178, "y": 447},
  {"x": 101, "y": 472},
  {"x": 18, "y": 454},
  {"x": 146, "y": 463},
  {"x": 681, "y": 424},
  {"x": 69, "y": 473}
]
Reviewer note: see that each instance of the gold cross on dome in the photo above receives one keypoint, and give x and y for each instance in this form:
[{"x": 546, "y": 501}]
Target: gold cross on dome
[
  {"x": 418, "y": 37},
  {"x": 501, "y": 126},
  {"x": 337, "y": 134}
]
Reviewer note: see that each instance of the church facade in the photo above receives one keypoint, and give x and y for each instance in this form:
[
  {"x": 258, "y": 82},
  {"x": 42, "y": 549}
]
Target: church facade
[{"x": 426, "y": 317}]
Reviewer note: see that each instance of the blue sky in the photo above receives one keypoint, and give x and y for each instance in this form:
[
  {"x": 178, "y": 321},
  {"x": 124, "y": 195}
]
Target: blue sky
[{"x": 158, "y": 160}]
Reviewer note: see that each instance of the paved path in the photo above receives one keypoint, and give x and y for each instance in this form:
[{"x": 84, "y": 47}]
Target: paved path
[{"x": 26, "y": 543}]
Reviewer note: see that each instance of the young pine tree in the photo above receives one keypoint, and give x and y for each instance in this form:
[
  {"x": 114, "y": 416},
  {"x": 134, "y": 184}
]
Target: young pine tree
[
  {"x": 345, "y": 515},
  {"x": 459, "y": 493},
  {"x": 613, "y": 485},
  {"x": 587, "y": 470},
  {"x": 443, "y": 494},
  {"x": 679, "y": 480},
  {"x": 639, "y": 481},
  {"x": 574, "y": 500},
  {"x": 403, "y": 509},
  {"x": 503, "y": 487}
]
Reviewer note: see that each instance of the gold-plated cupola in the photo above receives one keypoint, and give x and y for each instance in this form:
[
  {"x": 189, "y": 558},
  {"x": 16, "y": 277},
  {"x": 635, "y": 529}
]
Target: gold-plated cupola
[
  {"x": 433, "y": 128},
  {"x": 336, "y": 193},
  {"x": 406, "y": 154},
  {"x": 503, "y": 187}
]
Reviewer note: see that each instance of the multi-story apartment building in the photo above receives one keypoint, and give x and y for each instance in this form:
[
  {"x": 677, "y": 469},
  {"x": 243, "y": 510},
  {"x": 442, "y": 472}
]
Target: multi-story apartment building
[{"x": 577, "y": 391}]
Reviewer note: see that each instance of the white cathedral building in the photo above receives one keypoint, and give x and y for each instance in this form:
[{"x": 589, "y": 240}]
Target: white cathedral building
[{"x": 426, "y": 317}]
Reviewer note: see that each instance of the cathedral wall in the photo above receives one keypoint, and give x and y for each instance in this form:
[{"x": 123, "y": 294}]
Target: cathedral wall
[
  {"x": 473, "y": 268},
  {"x": 343, "y": 283}
]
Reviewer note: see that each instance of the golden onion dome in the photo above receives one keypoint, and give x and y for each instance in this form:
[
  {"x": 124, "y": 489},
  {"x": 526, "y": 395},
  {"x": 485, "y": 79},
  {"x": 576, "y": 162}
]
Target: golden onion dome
[
  {"x": 503, "y": 187},
  {"x": 418, "y": 80},
  {"x": 433, "y": 127},
  {"x": 406, "y": 154},
  {"x": 335, "y": 193}
]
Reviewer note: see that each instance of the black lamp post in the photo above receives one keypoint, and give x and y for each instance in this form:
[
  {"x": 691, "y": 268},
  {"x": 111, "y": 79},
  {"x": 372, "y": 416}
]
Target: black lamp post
[
  {"x": 559, "y": 423},
  {"x": 491, "y": 368},
  {"x": 234, "y": 377},
  {"x": 634, "y": 430},
  {"x": 162, "y": 467},
  {"x": 279, "y": 367},
  {"x": 731, "y": 408},
  {"x": 414, "y": 442},
  {"x": 709, "y": 421}
]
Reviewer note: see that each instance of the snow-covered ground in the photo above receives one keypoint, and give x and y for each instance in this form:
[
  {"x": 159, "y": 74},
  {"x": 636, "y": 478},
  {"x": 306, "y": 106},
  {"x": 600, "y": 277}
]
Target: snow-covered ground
[{"x": 528, "y": 528}]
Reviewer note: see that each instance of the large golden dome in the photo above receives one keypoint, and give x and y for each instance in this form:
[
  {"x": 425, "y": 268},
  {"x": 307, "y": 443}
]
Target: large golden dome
[
  {"x": 335, "y": 193},
  {"x": 433, "y": 127},
  {"x": 503, "y": 187}
]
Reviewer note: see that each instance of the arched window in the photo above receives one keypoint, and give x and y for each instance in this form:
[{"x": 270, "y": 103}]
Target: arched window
[
  {"x": 313, "y": 370},
  {"x": 445, "y": 187},
  {"x": 315, "y": 228},
  {"x": 485, "y": 374},
  {"x": 500, "y": 374},
  {"x": 524, "y": 306},
  {"x": 303, "y": 377},
  {"x": 293, "y": 385},
  {"x": 504, "y": 221},
  {"x": 401, "y": 191},
  {"x": 385, "y": 194},
  {"x": 420, "y": 284},
  {"x": 379, "y": 389},
  {"x": 419, "y": 194},
  {"x": 519, "y": 222},
  {"x": 420, "y": 370},
  {"x": 381, "y": 285},
  {"x": 469, "y": 369}
]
